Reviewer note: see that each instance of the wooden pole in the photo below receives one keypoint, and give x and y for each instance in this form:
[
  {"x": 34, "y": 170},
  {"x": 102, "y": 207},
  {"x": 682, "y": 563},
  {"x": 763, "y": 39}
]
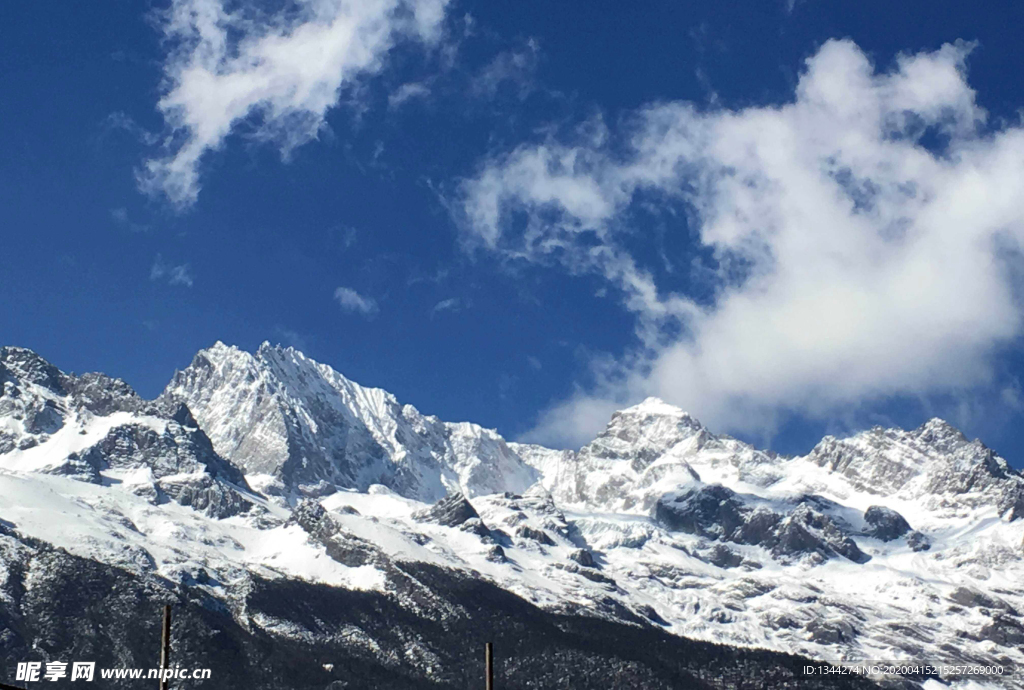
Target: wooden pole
[
  {"x": 165, "y": 647},
  {"x": 489, "y": 663}
]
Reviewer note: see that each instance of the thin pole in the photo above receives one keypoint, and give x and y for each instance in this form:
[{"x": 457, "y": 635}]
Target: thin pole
[
  {"x": 489, "y": 662},
  {"x": 165, "y": 647}
]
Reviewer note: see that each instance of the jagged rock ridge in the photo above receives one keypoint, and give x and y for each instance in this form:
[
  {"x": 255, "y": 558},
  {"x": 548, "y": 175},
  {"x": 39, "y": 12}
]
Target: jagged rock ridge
[{"x": 311, "y": 430}]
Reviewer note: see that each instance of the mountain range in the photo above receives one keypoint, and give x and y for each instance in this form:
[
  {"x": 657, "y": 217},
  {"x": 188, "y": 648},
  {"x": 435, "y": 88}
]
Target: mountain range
[{"x": 313, "y": 532}]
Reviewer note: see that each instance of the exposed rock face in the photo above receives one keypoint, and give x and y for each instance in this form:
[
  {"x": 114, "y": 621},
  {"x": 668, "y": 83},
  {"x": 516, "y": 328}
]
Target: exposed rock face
[
  {"x": 886, "y": 524},
  {"x": 709, "y": 511},
  {"x": 831, "y": 631},
  {"x": 716, "y": 512},
  {"x": 206, "y": 494},
  {"x": 918, "y": 542},
  {"x": 974, "y": 599},
  {"x": 173, "y": 450},
  {"x": 724, "y": 557},
  {"x": 450, "y": 511},
  {"x": 539, "y": 536},
  {"x": 103, "y": 395},
  {"x": 806, "y": 530},
  {"x": 21, "y": 364},
  {"x": 583, "y": 557},
  {"x": 1003, "y": 630},
  {"x": 308, "y": 514}
]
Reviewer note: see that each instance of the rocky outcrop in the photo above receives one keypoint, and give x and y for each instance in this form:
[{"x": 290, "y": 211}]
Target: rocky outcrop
[
  {"x": 450, "y": 511},
  {"x": 918, "y": 542},
  {"x": 537, "y": 535},
  {"x": 583, "y": 557},
  {"x": 709, "y": 511},
  {"x": 716, "y": 512},
  {"x": 806, "y": 531},
  {"x": 885, "y": 523}
]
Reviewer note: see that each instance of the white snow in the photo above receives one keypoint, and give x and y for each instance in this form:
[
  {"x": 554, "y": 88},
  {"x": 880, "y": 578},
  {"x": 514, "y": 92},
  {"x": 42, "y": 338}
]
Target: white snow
[{"x": 113, "y": 525}]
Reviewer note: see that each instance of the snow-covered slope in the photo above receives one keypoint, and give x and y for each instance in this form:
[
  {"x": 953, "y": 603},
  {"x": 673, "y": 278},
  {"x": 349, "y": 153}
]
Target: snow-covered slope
[{"x": 890, "y": 544}]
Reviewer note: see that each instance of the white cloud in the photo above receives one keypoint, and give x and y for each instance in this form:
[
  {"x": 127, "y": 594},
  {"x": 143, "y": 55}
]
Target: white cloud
[
  {"x": 228, "y": 63},
  {"x": 350, "y": 300},
  {"x": 407, "y": 92},
  {"x": 851, "y": 263},
  {"x": 516, "y": 67},
  {"x": 293, "y": 338},
  {"x": 174, "y": 275},
  {"x": 450, "y": 304}
]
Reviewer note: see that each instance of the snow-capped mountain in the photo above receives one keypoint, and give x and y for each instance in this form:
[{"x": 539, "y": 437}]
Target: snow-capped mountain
[{"x": 272, "y": 468}]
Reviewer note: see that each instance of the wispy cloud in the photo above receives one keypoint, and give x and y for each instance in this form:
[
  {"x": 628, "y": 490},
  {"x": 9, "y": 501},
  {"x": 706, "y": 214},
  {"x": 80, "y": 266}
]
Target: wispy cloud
[
  {"x": 293, "y": 338},
  {"x": 450, "y": 304},
  {"x": 174, "y": 275},
  {"x": 849, "y": 260},
  {"x": 349, "y": 237},
  {"x": 229, "y": 63},
  {"x": 352, "y": 301},
  {"x": 124, "y": 122},
  {"x": 408, "y": 92},
  {"x": 121, "y": 218},
  {"x": 507, "y": 384},
  {"x": 515, "y": 67},
  {"x": 343, "y": 236},
  {"x": 419, "y": 276}
]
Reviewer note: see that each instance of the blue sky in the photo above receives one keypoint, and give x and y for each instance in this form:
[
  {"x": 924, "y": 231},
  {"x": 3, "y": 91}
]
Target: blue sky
[{"x": 791, "y": 220}]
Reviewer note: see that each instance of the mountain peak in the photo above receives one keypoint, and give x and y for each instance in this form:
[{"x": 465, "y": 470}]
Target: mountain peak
[
  {"x": 278, "y": 412},
  {"x": 935, "y": 459},
  {"x": 266, "y": 347},
  {"x": 233, "y": 356},
  {"x": 220, "y": 346},
  {"x": 938, "y": 432},
  {"x": 220, "y": 354},
  {"x": 30, "y": 366},
  {"x": 656, "y": 407}
]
